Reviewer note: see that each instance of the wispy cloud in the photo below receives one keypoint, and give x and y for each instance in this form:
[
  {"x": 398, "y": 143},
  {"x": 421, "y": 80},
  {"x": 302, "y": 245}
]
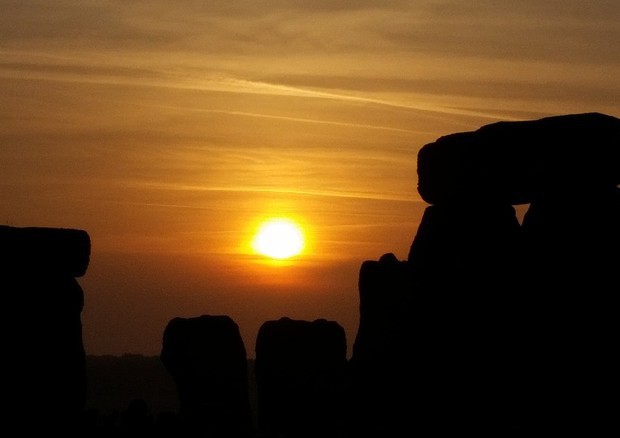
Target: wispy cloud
[
  {"x": 293, "y": 119},
  {"x": 126, "y": 76},
  {"x": 375, "y": 196},
  {"x": 402, "y": 53}
]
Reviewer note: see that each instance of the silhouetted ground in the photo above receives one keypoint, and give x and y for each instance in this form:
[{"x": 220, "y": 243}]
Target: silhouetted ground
[{"x": 114, "y": 382}]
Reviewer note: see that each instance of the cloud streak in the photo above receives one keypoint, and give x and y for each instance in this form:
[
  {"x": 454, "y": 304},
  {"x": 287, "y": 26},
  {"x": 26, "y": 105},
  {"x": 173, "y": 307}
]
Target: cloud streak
[
  {"x": 124, "y": 76},
  {"x": 403, "y": 53},
  {"x": 375, "y": 196}
]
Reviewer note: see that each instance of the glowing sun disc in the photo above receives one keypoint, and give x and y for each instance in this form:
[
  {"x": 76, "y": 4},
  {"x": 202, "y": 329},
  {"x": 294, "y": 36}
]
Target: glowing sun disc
[{"x": 279, "y": 239}]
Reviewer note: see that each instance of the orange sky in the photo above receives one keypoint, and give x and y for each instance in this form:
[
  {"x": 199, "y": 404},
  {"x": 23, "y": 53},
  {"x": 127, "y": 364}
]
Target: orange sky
[{"x": 168, "y": 130}]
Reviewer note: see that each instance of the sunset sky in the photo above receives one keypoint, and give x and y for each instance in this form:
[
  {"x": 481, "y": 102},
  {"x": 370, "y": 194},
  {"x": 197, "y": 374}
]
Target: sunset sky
[{"x": 170, "y": 130}]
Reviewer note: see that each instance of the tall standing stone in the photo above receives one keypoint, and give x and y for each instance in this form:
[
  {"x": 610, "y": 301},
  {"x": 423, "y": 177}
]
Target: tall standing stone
[
  {"x": 300, "y": 369},
  {"x": 468, "y": 307},
  {"x": 43, "y": 351},
  {"x": 206, "y": 357},
  {"x": 574, "y": 242},
  {"x": 437, "y": 349},
  {"x": 380, "y": 377}
]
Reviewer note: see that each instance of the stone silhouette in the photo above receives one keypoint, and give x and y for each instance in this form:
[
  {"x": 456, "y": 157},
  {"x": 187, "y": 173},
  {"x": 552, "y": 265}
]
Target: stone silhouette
[
  {"x": 568, "y": 169},
  {"x": 300, "y": 370},
  {"x": 136, "y": 419},
  {"x": 468, "y": 261},
  {"x": 207, "y": 359},
  {"x": 508, "y": 329},
  {"x": 379, "y": 384},
  {"x": 515, "y": 162},
  {"x": 43, "y": 352}
]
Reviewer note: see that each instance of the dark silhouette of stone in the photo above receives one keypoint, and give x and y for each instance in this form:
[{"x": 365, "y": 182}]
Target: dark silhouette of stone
[
  {"x": 437, "y": 350},
  {"x": 468, "y": 309},
  {"x": 207, "y": 359},
  {"x": 574, "y": 241},
  {"x": 577, "y": 233},
  {"x": 62, "y": 251},
  {"x": 381, "y": 369},
  {"x": 43, "y": 352},
  {"x": 547, "y": 294},
  {"x": 384, "y": 288},
  {"x": 300, "y": 369},
  {"x": 136, "y": 419},
  {"x": 512, "y": 162},
  {"x": 477, "y": 244}
]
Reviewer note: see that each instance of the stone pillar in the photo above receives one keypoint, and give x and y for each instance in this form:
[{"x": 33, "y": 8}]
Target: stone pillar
[
  {"x": 300, "y": 369},
  {"x": 574, "y": 243},
  {"x": 207, "y": 359},
  {"x": 380, "y": 378},
  {"x": 43, "y": 352},
  {"x": 468, "y": 308}
]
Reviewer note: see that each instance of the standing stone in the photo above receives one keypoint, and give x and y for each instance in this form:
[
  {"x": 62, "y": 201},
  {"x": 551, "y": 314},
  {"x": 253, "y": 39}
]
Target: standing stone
[
  {"x": 381, "y": 379},
  {"x": 206, "y": 357},
  {"x": 43, "y": 351},
  {"x": 574, "y": 245},
  {"x": 477, "y": 243},
  {"x": 437, "y": 348},
  {"x": 300, "y": 368},
  {"x": 467, "y": 309}
]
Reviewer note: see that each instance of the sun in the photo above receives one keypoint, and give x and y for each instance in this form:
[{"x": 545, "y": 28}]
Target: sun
[{"x": 279, "y": 239}]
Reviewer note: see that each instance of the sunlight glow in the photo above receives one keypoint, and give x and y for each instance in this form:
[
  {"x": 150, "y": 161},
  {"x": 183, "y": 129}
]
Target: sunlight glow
[{"x": 279, "y": 239}]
